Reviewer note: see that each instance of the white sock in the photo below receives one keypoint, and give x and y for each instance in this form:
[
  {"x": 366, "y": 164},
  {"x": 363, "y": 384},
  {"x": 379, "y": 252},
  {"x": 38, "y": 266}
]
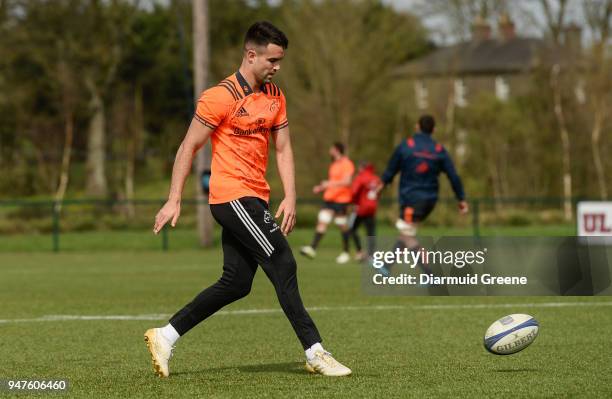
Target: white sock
[
  {"x": 311, "y": 351},
  {"x": 170, "y": 334}
]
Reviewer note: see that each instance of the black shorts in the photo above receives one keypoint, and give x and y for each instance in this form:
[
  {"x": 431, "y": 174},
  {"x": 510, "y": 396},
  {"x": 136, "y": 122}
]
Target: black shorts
[
  {"x": 339, "y": 208},
  {"x": 417, "y": 212}
]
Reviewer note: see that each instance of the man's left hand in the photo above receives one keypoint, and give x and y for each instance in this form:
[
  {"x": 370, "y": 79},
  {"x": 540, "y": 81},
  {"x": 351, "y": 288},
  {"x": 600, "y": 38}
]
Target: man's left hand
[{"x": 287, "y": 209}]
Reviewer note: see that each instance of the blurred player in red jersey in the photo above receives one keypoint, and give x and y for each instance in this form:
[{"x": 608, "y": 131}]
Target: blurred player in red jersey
[{"x": 365, "y": 198}]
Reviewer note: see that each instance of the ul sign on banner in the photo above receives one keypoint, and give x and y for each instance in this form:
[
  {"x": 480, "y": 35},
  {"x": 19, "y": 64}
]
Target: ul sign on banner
[{"x": 595, "y": 219}]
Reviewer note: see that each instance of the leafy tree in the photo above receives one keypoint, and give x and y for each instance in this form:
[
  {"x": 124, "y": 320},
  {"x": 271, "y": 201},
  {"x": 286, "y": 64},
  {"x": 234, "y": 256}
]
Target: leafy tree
[{"x": 338, "y": 76}]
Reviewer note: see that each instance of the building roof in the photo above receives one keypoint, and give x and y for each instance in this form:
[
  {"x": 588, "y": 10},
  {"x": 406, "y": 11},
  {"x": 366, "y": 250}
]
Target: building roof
[{"x": 478, "y": 57}]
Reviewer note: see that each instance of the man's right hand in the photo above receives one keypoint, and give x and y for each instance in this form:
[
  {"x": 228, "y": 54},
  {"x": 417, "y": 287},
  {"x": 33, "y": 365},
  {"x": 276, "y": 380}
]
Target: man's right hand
[
  {"x": 170, "y": 211},
  {"x": 463, "y": 207},
  {"x": 320, "y": 187}
]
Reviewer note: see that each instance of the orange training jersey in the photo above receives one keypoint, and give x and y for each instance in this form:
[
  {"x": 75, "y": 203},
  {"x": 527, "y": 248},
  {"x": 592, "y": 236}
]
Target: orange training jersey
[
  {"x": 242, "y": 121},
  {"x": 339, "y": 170}
]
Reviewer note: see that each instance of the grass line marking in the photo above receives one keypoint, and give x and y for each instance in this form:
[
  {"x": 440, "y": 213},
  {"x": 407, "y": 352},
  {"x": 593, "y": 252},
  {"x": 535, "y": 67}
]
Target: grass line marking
[{"x": 161, "y": 316}]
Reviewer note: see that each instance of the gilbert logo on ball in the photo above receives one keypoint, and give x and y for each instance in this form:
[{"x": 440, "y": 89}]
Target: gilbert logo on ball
[{"x": 511, "y": 334}]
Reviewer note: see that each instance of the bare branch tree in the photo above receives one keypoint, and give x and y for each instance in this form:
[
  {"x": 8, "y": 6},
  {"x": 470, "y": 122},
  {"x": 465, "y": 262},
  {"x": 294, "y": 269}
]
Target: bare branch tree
[
  {"x": 598, "y": 15},
  {"x": 461, "y": 14},
  {"x": 201, "y": 61},
  {"x": 555, "y": 17},
  {"x": 565, "y": 140}
]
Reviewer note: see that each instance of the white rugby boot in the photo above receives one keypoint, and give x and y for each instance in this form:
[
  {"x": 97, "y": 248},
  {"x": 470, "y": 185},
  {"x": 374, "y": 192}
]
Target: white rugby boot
[
  {"x": 161, "y": 351},
  {"x": 308, "y": 252},
  {"x": 343, "y": 258},
  {"x": 323, "y": 363}
]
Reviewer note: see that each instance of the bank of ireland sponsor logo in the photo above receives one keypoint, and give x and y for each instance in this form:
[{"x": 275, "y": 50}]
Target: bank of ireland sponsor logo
[{"x": 249, "y": 132}]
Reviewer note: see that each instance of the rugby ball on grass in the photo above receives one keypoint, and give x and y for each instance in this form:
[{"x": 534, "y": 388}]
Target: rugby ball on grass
[{"x": 511, "y": 334}]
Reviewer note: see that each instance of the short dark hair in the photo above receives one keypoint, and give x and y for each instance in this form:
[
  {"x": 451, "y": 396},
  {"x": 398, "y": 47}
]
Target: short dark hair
[
  {"x": 339, "y": 146},
  {"x": 427, "y": 123},
  {"x": 262, "y": 33}
]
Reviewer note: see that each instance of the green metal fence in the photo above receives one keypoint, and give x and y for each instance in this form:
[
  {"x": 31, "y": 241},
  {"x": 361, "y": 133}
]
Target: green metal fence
[{"x": 26, "y": 224}]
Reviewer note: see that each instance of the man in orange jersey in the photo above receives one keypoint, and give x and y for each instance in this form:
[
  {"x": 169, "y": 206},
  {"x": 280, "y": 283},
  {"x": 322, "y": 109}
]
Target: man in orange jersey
[
  {"x": 337, "y": 195},
  {"x": 240, "y": 115}
]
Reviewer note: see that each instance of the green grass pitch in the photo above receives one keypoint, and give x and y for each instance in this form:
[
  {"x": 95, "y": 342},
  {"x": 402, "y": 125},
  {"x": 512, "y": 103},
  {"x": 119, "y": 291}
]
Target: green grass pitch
[{"x": 397, "y": 346}]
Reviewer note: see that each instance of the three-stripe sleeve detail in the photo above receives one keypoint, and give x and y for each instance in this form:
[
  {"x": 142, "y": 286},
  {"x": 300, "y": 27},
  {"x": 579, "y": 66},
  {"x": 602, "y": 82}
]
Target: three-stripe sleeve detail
[
  {"x": 280, "y": 126},
  {"x": 204, "y": 121}
]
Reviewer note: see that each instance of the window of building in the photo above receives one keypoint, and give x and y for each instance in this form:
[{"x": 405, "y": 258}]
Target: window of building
[
  {"x": 580, "y": 93},
  {"x": 421, "y": 95},
  {"x": 460, "y": 93},
  {"x": 461, "y": 149},
  {"x": 502, "y": 90}
]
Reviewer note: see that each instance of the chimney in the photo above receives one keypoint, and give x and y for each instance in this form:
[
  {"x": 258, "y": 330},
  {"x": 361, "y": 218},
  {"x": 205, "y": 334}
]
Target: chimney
[
  {"x": 506, "y": 27},
  {"x": 480, "y": 29}
]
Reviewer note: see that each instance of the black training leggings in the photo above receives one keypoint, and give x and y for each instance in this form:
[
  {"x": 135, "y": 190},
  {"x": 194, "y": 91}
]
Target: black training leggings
[{"x": 250, "y": 237}]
